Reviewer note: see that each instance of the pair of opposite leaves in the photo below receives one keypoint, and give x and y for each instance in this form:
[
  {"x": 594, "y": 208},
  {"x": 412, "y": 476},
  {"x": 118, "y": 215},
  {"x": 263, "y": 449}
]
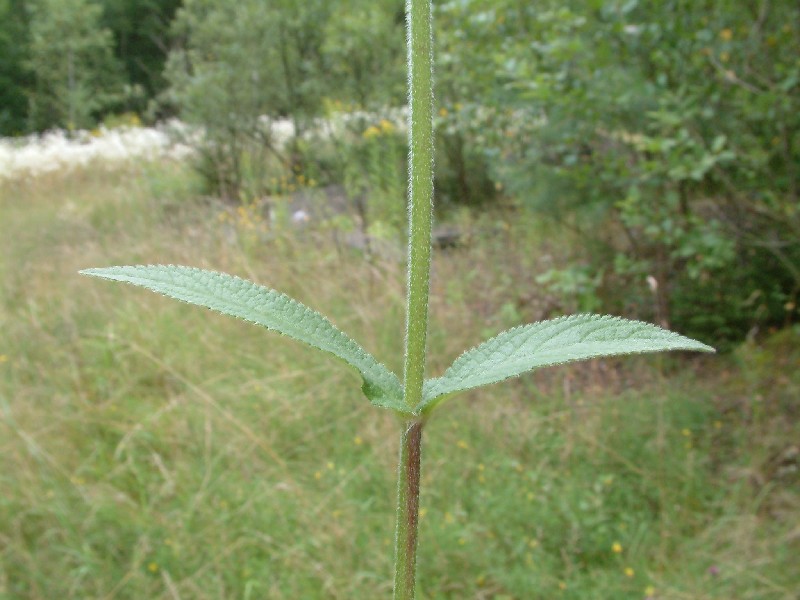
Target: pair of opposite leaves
[{"x": 511, "y": 353}]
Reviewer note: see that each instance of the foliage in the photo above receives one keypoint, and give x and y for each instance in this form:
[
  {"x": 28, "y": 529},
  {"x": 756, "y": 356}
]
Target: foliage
[
  {"x": 373, "y": 163},
  {"x": 227, "y": 102},
  {"x": 363, "y": 53},
  {"x": 41, "y": 40},
  {"x": 666, "y": 132},
  {"x": 463, "y": 168},
  {"x": 71, "y": 56},
  {"x": 289, "y": 57},
  {"x": 142, "y": 40},
  {"x": 363, "y": 153},
  {"x": 14, "y": 74}
]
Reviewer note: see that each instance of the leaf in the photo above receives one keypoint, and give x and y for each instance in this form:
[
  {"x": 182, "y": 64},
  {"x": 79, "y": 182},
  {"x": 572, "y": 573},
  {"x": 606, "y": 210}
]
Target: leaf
[
  {"x": 562, "y": 340},
  {"x": 240, "y": 298}
]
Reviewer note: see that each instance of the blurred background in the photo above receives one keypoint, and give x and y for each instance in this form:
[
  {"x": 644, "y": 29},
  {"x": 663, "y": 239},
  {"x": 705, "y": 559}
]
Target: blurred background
[{"x": 617, "y": 156}]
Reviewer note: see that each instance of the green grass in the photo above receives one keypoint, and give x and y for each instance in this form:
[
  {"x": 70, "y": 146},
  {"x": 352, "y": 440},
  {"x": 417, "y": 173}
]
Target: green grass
[{"x": 135, "y": 464}]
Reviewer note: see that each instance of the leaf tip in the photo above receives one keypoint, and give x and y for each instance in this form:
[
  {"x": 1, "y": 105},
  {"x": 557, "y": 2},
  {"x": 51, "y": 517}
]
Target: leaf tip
[{"x": 701, "y": 347}]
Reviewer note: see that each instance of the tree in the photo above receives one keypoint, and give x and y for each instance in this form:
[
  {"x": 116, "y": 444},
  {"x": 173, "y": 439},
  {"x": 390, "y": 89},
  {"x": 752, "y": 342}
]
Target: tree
[
  {"x": 241, "y": 64},
  {"x": 71, "y": 57},
  {"x": 665, "y": 132},
  {"x": 14, "y": 76},
  {"x": 363, "y": 51},
  {"x": 142, "y": 41}
]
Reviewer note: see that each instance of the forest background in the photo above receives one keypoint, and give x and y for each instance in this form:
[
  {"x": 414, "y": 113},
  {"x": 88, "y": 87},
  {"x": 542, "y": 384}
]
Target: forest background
[{"x": 617, "y": 156}]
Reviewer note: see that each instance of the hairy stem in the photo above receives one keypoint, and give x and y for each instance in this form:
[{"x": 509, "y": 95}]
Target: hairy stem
[
  {"x": 420, "y": 204},
  {"x": 408, "y": 472},
  {"x": 420, "y": 192}
]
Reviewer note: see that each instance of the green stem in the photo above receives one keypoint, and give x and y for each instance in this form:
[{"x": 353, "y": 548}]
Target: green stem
[
  {"x": 408, "y": 472},
  {"x": 420, "y": 192},
  {"x": 420, "y": 201}
]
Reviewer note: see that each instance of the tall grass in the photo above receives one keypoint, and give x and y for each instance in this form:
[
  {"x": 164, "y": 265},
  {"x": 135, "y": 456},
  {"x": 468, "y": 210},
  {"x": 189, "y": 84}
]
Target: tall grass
[{"x": 134, "y": 463}]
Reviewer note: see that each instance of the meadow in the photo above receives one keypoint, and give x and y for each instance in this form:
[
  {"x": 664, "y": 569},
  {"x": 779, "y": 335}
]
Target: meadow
[{"x": 150, "y": 449}]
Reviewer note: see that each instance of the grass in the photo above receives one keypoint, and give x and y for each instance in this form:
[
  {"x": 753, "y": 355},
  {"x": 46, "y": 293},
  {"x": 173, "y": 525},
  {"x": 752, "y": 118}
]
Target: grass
[{"x": 135, "y": 465}]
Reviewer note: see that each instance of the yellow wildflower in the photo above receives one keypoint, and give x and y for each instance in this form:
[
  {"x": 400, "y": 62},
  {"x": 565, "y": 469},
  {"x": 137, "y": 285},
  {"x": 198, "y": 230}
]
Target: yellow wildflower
[
  {"x": 371, "y": 132},
  {"x": 726, "y": 34},
  {"x": 616, "y": 548},
  {"x": 629, "y": 572}
]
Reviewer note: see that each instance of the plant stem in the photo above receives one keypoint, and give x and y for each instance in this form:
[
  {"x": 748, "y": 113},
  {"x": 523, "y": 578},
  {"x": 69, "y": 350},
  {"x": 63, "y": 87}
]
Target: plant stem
[
  {"x": 408, "y": 472},
  {"x": 420, "y": 192},
  {"x": 420, "y": 203}
]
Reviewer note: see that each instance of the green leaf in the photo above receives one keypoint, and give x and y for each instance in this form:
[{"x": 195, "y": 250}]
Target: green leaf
[
  {"x": 276, "y": 311},
  {"x": 562, "y": 340}
]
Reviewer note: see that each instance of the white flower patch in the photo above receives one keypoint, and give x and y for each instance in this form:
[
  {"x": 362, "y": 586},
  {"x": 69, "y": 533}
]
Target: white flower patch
[{"x": 58, "y": 151}]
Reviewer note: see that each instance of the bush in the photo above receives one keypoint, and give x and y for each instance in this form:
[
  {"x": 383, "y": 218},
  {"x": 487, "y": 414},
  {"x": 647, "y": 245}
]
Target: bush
[{"x": 666, "y": 134}]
